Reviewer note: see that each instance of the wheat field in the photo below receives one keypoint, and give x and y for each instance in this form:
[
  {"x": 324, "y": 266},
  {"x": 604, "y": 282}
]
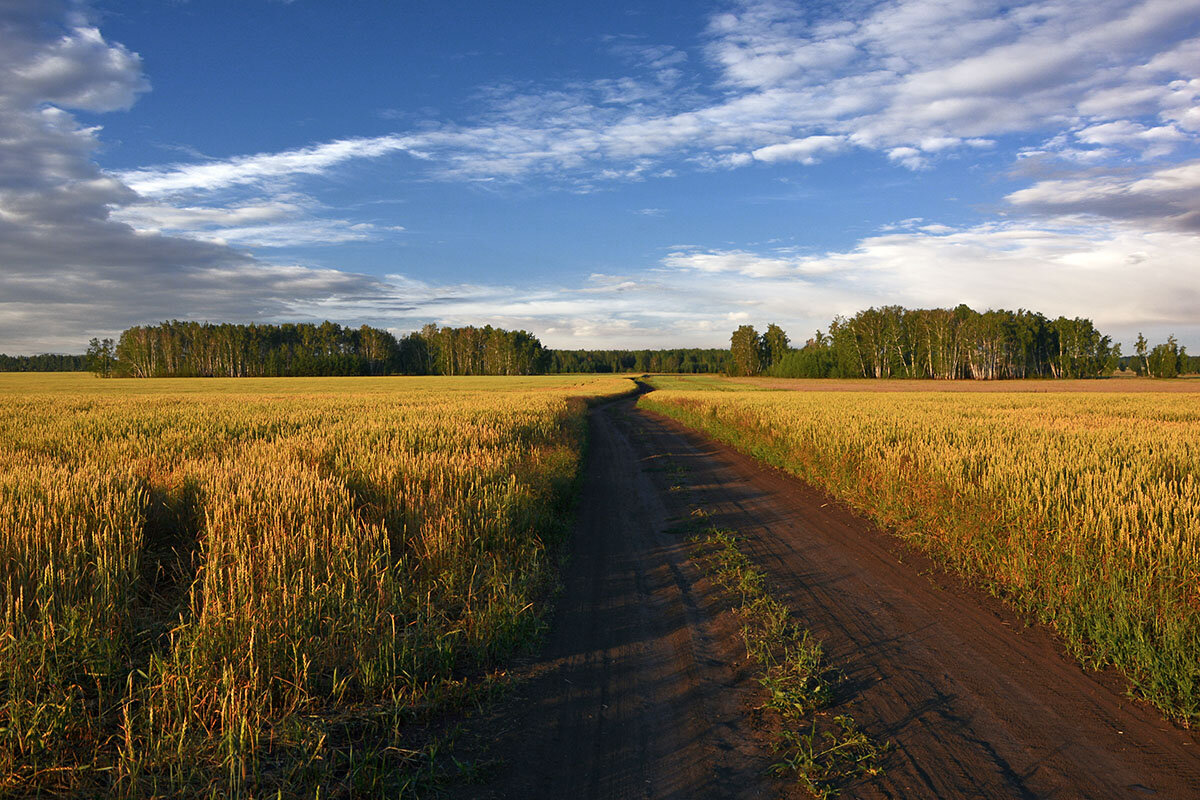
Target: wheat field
[
  {"x": 242, "y": 587},
  {"x": 1081, "y": 508}
]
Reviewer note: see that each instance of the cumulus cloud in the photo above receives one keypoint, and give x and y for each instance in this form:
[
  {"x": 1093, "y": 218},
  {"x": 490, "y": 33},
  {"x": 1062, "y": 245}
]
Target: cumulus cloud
[
  {"x": 1111, "y": 84},
  {"x": 69, "y": 269},
  {"x": 1165, "y": 198},
  {"x": 1124, "y": 279},
  {"x": 805, "y": 150},
  {"x": 910, "y": 157},
  {"x": 78, "y": 69}
]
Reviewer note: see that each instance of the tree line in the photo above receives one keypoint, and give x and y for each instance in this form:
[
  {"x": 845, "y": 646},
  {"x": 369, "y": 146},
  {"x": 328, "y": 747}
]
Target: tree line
[
  {"x": 195, "y": 349},
  {"x": 687, "y": 360},
  {"x": 187, "y": 349},
  {"x": 945, "y": 344},
  {"x": 1166, "y": 360},
  {"x": 890, "y": 341},
  {"x": 471, "y": 351},
  {"x": 43, "y": 362}
]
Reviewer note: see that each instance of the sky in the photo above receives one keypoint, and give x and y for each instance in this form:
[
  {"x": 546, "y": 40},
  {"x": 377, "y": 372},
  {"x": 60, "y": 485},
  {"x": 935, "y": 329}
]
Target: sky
[{"x": 619, "y": 174}]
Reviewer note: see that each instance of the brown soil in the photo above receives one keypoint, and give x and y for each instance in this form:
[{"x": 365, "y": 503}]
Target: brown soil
[{"x": 643, "y": 690}]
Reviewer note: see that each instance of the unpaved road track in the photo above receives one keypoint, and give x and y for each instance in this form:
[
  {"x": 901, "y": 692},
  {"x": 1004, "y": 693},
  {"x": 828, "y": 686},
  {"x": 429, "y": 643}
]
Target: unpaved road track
[{"x": 643, "y": 691}]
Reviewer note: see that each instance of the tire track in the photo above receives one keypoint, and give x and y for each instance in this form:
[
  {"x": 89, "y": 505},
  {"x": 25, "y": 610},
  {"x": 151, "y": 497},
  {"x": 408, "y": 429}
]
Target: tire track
[{"x": 642, "y": 689}]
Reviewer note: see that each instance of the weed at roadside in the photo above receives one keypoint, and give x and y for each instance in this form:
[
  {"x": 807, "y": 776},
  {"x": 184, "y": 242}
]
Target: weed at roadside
[{"x": 823, "y": 753}]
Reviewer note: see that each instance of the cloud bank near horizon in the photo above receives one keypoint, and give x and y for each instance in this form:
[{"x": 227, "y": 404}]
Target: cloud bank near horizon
[{"x": 1109, "y": 91}]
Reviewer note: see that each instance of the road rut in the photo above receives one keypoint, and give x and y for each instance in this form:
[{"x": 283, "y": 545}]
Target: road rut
[{"x": 643, "y": 689}]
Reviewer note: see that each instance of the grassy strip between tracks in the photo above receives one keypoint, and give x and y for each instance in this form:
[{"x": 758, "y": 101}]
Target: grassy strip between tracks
[{"x": 821, "y": 750}]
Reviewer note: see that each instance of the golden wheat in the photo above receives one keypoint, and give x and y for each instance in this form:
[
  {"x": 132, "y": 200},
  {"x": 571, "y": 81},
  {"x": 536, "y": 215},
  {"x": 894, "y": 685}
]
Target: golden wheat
[
  {"x": 1083, "y": 509},
  {"x": 260, "y": 576}
]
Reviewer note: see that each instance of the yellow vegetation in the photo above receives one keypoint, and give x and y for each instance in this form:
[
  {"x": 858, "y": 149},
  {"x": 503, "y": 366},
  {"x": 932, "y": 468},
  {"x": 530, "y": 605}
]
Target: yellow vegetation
[
  {"x": 266, "y": 577},
  {"x": 1081, "y": 508}
]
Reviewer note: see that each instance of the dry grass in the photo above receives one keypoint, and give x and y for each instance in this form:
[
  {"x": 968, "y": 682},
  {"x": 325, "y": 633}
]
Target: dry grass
[
  {"x": 239, "y": 587},
  {"x": 1082, "y": 508}
]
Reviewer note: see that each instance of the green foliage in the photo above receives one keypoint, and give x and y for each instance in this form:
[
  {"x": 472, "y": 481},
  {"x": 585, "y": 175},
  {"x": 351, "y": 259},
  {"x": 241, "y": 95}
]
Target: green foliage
[
  {"x": 815, "y": 360},
  {"x": 471, "y": 351},
  {"x": 821, "y": 760},
  {"x": 101, "y": 357},
  {"x": 45, "y": 362},
  {"x": 942, "y": 343},
  {"x": 686, "y": 360},
  {"x": 745, "y": 351},
  {"x": 193, "y": 349},
  {"x": 775, "y": 345},
  {"x": 822, "y": 753},
  {"x": 1167, "y": 360},
  {"x": 1142, "y": 364}
]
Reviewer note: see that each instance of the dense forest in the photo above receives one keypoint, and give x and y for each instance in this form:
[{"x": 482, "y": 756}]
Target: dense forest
[
  {"x": 187, "y": 349},
  {"x": 882, "y": 342},
  {"x": 946, "y": 344},
  {"x": 45, "y": 362},
  {"x": 183, "y": 349},
  {"x": 679, "y": 360}
]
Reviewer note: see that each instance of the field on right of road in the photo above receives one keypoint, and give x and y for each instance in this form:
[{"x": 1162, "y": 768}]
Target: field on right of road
[{"x": 1080, "y": 508}]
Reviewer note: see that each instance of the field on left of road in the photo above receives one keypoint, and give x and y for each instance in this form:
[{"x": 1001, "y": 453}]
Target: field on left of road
[{"x": 235, "y": 587}]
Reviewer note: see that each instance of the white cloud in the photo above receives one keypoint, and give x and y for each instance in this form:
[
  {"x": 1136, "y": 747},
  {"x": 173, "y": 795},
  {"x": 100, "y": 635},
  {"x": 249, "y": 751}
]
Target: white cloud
[
  {"x": 78, "y": 69},
  {"x": 68, "y": 268},
  {"x": 1167, "y": 198},
  {"x": 256, "y": 169},
  {"x": 913, "y": 80},
  {"x": 1153, "y": 142},
  {"x": 803, "y": 150},
  {"x": 1121, "y": 277},
  {"x": 910, "y": 157},
  {"x": 1126, "y": 280},
  {"x": 738, "y": 262},
  {"x": 898, "y": 77},
  {"x": 797, "y": 83},
  {"x": 286, "y": 220},
  {"x": 157, "y": 217}
]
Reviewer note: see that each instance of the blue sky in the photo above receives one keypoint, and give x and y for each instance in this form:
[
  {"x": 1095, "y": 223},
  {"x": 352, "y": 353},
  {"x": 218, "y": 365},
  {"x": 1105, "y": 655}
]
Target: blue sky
[{"x": 621, "y": 174}]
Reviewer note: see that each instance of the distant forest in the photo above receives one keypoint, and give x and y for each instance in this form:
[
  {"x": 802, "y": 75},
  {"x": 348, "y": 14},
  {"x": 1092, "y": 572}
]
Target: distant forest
[
  {"x": 194, "y": 349},
  {"x": 45, "y": 362},
  {"x": 947, "y": 344},
  {"x": 887, "y": 342},
  {"x": 187, "y": 349},
  {"x": 679, "y": 360}
]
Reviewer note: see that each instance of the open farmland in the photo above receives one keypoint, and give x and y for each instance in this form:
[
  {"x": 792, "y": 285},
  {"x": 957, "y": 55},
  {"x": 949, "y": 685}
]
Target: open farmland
[
  {"x": 1081, "y": 508},
  {"x": 285, "y": 587},
  {"x": 230, "y": 587}
]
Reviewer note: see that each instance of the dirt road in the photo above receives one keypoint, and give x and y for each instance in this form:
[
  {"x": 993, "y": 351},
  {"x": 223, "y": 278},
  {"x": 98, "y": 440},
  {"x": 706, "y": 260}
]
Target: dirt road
[{"x": 643, "y": 689}]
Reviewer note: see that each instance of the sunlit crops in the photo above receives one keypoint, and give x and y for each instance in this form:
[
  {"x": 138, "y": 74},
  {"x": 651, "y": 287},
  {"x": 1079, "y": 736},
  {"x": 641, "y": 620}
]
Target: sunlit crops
[
  {"x": 230, "y": 587},
  {"x": 1083, "y": 509}
]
